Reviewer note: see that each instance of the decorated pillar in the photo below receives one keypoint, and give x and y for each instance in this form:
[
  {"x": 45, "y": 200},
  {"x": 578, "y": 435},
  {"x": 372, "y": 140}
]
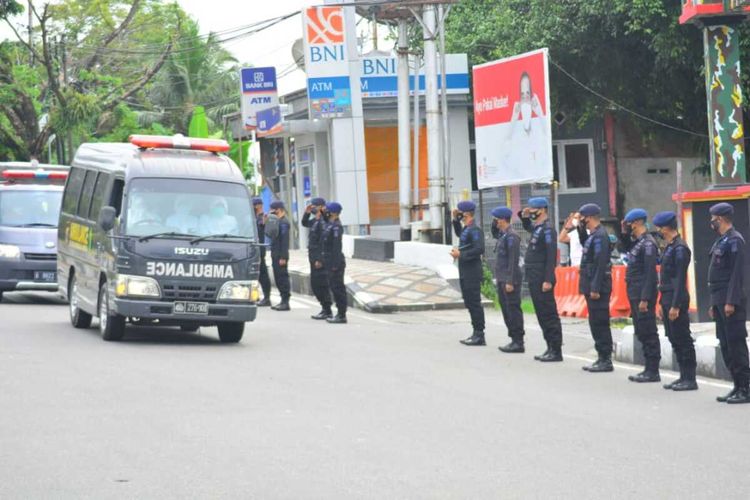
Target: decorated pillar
[{"x": 724, "y": 98}]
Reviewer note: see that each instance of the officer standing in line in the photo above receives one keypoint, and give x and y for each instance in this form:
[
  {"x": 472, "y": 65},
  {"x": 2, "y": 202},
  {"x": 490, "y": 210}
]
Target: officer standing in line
[
  {"x": 675, "y": 300},
  {"x": 334, "y": 261},
  {"x": 280, "y": 256},
  {"x": 595, "y": 283},
  {"x": 508, "y": 277},
  {"x": 318, "y": 272},
  {"x": 642, "y": 253},
  {"x": 540, "y": 261},
  {"x": 470, "y": 272},
  {"x": 263, "y": 278},
  {"x": 725, "y": 281}
]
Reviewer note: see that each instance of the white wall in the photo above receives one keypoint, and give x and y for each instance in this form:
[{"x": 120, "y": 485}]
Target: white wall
[{"x": 428, "y": 255}]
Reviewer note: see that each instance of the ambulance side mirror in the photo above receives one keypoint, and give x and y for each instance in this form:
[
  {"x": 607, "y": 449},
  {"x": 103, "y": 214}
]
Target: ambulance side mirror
[{"x": 107, "y": 216}]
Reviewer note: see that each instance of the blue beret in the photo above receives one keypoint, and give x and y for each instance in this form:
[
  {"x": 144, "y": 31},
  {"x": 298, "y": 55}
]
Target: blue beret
[
  {"x": 635, "y": 214},
  {"x": 590, "y": 210},
  {"x": 502, "y": 213},
  {"x": 722, "y": 209},
  {"x": 257, "y": 201},
  {"x": 334, "y": 207},
  {"x": 276, "y": 205},
  {"x": 317, "y": 202},
  {"x": 538, "y": 202},
  {"x": 664, "y": 219},
  {"x": 467, "y": 206}
]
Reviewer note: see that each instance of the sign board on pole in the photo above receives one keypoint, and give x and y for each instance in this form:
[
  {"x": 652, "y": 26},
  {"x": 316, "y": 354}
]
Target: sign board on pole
[
  {"x": 379, "y": 76},
  {"x": 512, "y": 121},
  {"x": 326, "y": 62},
  {"x": 259, "y": 92},
  {"x": 269, "y": 122}
]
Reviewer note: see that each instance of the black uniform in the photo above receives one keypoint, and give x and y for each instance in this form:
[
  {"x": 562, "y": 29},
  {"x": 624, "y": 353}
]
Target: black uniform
[
  {"x": 318, "y": 276},
  {"x": 263, "y": 278},
  {"x": 507, "y": 271},
  {"x": 674, "y": 293},
  {"x": 280, "y": 250},
  {"x": 539, "y": 262},
  {"x": 335, "y": 262},
  {"x": 725, "y": 276},
  {"x": 470, "y": 272},
  {"x": 596, "y": 277},
  {"x": 641, "y": 281}
]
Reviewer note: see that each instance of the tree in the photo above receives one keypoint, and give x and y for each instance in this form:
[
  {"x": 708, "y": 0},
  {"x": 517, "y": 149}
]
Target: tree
[
  {"x": 632, "y": 51},
  {"x": 84, "y": 65}
]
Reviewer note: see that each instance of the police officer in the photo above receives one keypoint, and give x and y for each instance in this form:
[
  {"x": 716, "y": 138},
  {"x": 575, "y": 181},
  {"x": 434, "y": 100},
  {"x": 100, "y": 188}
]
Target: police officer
[
  {"x": 675, "y": 300},
  {"x": 334, "y": 261},
  {"x": 595, "y": 283},
  {"x": 280, "y": 256},
  {"x": 508, "y": 277},
  {"x": 263, "y": 278},
  {"x": 540, "y": 260},
  {"x": 725, "y": 281},
  {"x": 470, "y": 272},
  {"x": 316, "y": 220},
  {"x": 642, "y": 254}
]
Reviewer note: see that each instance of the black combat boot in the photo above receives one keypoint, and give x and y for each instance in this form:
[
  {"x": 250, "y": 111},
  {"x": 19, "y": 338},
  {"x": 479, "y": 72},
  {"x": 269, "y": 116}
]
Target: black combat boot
[
  {"x": 553, "y": 355},
  {"x": 742, "y": 395},
  {"x": 339, "y": 319},
  {"x": 264, "y": 303},
  {"x": 650, "y": 374},
  {"x": 686, "y": 382},
  {"x": 515, "y": 346},
  {"x": 323, "y": 314},
  {"x": 539, "y": 357},
  {"x": 281, "y": 306},
  {"x": 476, "y": 339},
  {"x": 603, "y": 364},
  {"x": 730, "y": 394},
  {"x": 673, "y": 383}
]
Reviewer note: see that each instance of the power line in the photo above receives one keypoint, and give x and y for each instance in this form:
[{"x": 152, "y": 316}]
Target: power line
[{"x": 623, "y": 108}]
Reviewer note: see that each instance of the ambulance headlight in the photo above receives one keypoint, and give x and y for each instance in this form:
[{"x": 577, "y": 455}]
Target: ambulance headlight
[
  {"x": 240, "y": 290},
  {"x": 10, "y": 252},
  {"x": 136, "y": 286}
]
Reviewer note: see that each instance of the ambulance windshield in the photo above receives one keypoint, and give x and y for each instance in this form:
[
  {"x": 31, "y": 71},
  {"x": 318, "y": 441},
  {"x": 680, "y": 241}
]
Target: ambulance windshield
[{"x": 188, "y": 207}]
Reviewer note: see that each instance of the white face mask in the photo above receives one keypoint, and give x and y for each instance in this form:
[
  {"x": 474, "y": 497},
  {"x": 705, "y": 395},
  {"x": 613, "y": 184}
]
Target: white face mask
[{"x": 526, "y": 115}]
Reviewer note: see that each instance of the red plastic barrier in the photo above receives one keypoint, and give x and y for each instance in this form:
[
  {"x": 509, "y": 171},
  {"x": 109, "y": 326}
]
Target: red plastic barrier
[{"x": 573, "y": 304}]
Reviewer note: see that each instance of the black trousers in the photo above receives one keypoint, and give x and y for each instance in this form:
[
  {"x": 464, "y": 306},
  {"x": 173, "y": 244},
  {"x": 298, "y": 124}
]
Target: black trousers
[
  {"x": 338, "y": 288},
  {"x": 546, "y": 313},
  {"x": 599, "y": 324},
  {"x": 472, "y": 295},
  {"x": 510, "y": 304},
  {"x": 644, "y": 324},
  {"x": 678, "y": 333},
  {"x": 263, "y": 278},
  {"x": 732, "y": 334},
  {"x": 320, "y": 287},
  {"x": 281, "y": 277}
]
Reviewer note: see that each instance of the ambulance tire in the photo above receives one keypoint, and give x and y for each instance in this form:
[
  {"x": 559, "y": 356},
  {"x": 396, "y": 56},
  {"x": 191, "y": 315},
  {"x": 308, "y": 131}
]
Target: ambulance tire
[
  {"x": 190, "y": 327},
  {"x": 111, "y": 326},
  {"x": 230, "y": 333},
  {"x": 78, "y": 318}
]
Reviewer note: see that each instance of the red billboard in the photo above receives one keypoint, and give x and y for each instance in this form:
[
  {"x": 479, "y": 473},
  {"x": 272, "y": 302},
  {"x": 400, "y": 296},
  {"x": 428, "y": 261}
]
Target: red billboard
[{"x": 512, "y": 120}]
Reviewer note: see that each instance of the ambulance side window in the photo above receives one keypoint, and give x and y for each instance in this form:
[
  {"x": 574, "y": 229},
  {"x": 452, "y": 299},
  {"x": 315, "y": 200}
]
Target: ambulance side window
[
  {"x": 73, "y": 191},
  {"x": 115, "y": 199},
  {"x": 100, "y": 193},
  {"x": 86, "y": 194}
]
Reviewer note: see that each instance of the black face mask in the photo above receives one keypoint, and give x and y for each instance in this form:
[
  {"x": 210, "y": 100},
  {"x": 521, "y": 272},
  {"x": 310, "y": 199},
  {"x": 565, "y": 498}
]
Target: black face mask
[
  {"x": 714, "y": 225},
  {"x": 659, "y": 235},
  {"x": 628, "y": 228}
]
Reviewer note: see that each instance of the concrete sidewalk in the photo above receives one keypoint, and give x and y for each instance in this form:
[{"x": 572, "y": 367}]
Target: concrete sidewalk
[{"x": 384, "y": 287}]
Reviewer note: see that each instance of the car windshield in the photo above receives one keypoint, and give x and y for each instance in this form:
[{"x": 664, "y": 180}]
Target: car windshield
[
  {"x": 189, "y": 207},
  {"x": 27, "y": 208}
]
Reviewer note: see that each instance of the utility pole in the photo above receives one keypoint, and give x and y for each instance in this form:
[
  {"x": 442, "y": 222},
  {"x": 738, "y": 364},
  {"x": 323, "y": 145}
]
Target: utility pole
[
  {"x": 404, "y": 142},
  {"x": 432, "y": 113},
  {"x": 442, "y": 13}
]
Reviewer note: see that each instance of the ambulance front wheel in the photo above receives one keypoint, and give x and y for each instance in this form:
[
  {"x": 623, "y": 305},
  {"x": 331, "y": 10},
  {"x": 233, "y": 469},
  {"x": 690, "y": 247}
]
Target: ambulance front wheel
[{"x": 230, "y": 333}]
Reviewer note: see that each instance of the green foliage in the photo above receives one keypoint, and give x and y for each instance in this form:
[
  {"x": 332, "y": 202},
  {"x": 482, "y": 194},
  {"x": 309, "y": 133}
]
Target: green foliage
[
  {"x": 10, "y": 8},
  {"x": 488, "y": 288},
  {"x": 248, "y": 169},
  {"x": 527, "y": 306},
  {"x": 127, "y": 123},
  {"x": 198, "y": 123}
]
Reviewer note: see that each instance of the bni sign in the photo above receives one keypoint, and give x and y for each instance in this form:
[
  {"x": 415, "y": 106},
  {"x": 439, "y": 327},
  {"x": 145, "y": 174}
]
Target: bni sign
[
  {"x": 328, "y": 84},
  {"x": 259, "y": 92}
]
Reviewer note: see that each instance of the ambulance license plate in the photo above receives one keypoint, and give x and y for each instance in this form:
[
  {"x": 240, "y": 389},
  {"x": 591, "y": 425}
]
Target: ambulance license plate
[
  {"x": 191, "y": 307},
  {"x": 45, "y": 276}
]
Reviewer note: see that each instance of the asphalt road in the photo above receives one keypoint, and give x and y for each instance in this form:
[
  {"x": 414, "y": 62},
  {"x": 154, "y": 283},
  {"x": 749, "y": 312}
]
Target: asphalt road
[{"x": 385, "y": 407}]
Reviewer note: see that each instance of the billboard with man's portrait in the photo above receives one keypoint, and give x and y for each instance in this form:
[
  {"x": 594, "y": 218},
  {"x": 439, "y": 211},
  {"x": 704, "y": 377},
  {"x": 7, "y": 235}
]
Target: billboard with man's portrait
[{"x": 512, "y": 121}]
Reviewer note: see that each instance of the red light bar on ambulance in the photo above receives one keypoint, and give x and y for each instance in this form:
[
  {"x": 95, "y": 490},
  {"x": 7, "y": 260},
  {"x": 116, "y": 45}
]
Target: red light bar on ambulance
[
  {"x": 179, "y": 142},
  {"x": 34, "y": 174}
]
